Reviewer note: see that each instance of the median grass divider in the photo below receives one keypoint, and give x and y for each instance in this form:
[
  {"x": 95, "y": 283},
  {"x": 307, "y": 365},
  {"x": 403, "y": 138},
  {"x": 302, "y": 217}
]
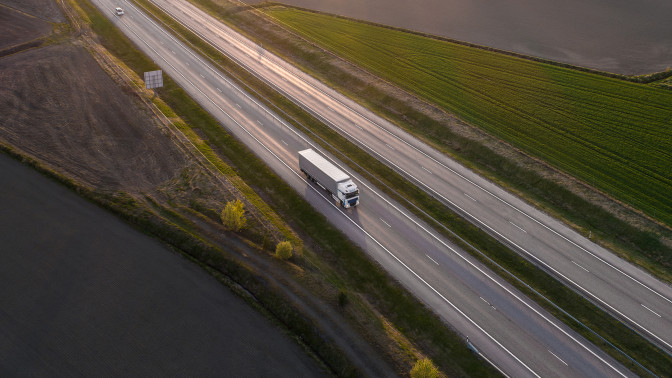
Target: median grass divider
[
  {"x": 410, "y": 317},
  {"x": 533, "y": 281}
]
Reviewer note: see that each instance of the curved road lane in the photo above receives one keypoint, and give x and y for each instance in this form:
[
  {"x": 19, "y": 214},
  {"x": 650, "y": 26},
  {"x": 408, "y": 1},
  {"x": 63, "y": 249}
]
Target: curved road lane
[{"x": 508, "y": 329}]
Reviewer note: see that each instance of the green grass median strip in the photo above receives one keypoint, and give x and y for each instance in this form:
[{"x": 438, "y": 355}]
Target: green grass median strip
[{"x": 612, "y": 330}]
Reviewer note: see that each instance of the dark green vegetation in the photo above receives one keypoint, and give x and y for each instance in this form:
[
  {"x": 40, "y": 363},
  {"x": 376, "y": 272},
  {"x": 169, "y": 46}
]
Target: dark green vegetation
[
  {"x": 612, "y": 134},
  {"x": 355, "y": 274},
  {"x": 609, "y": 328}
]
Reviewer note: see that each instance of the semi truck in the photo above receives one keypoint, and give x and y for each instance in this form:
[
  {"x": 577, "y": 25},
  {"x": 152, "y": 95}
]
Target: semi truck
[{"x": 320, "y": 171}]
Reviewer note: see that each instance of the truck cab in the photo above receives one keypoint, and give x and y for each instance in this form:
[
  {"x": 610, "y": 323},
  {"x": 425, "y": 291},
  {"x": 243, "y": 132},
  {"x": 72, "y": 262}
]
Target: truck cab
[
  {"x": 348, "y": 194},
  {"x": 329, "y": 177}
]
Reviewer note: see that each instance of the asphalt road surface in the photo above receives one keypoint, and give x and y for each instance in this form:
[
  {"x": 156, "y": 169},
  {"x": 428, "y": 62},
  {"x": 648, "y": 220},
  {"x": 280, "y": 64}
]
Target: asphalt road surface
[
  {"x": 84, "y": 294},
  {"x": 626, "y": 291},
  {"x": 505, "y": 327}
]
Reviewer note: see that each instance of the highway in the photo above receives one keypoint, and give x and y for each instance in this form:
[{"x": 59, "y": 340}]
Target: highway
[
  {"x": 505, "y": 327},
  {"x": 625, "y": 290}
]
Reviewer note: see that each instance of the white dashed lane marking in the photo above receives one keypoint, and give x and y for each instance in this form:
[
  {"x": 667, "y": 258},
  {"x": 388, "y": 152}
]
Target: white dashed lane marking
[
  {"x": 655, "y": 313},
  {"x": 434, "y": 261}
]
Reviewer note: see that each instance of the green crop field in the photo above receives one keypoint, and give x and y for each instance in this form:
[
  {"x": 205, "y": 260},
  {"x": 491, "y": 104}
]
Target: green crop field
[{"x": 613, "y": 134}]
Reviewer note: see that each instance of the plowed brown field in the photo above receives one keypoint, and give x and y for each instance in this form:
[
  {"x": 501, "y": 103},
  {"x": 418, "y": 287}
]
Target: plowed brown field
[{"x": 58, "y": 105}]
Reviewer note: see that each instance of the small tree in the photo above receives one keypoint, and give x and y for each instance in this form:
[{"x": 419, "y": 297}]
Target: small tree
[
  {"x": 233, "y": 216},
  {"x": 424, "y": 369},
  {"x": 283, "y": 250}
]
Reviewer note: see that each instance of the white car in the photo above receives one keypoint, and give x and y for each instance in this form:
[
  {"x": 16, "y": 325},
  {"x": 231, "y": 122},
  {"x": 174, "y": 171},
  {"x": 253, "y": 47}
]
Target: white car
[{"x": 119, "y": 11}]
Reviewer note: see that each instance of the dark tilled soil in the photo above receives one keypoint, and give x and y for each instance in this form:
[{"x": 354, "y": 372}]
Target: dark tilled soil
[
  {"x": 84, "y": 294},
  {"x": 17, "y": 27},
  {"x": 47, "y": 10},
  {"x": 58, "y": 105},
  {"x": 62, "y": 309}
]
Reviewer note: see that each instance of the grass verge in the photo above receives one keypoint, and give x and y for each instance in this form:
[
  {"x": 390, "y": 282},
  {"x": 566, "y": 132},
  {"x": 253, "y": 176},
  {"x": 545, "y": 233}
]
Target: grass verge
[
  {"x": 610, "y": 329},
  {"x": 426, "y": 329}
]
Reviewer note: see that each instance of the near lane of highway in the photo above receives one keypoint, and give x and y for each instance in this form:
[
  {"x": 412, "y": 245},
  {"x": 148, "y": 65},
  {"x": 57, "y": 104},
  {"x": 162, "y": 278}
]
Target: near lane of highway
[{"x": 512, "y": 331}]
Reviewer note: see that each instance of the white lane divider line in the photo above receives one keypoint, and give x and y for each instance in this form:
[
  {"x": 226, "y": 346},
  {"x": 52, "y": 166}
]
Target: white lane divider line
[
  {"x": 238, "y": 105},
  {"x": 470, "y": 197},
  {"x": 489, "y": 304},
  {"x": 284, "y": 142},
  {"x": 388, "y": 225},
  {"x": 359, "y": 127},
  {"x": 284, "y": 78},
  {"x": 162, "y": 42},
  {"x": 549, "y": 351},
  {"x": 430, "y": 172},
  {"x": 655, "y": 313},
  {"x": 575, "y": 263},
  {"x": 518, "y": 227},
  {"x": 330, "y": 109},
  {"x": 187, "y": 63},
  {"x": 260, "y": 123},
  {"x": 389, "y": 146},
  {"x": 202, "y": 76},
  {"x": 220, "y": 91},
  {"x": 434, "y": 261},
  {"x": 173, "y": 51}
]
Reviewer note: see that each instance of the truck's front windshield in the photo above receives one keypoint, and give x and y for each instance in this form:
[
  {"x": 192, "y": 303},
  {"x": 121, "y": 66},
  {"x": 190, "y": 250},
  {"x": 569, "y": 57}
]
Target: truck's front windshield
[{"x": 352, "y": 195}]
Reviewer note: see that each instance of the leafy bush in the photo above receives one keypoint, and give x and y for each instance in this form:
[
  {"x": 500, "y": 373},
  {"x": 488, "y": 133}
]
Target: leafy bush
[
  {"x": 283, "y": 250},
  {"x": 424, "y": 369},
  {"x": 233, "y": 216}
]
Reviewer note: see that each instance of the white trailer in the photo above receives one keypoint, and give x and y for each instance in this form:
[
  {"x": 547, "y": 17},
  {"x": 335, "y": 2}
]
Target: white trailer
[{"x": 320, "y": 171}]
